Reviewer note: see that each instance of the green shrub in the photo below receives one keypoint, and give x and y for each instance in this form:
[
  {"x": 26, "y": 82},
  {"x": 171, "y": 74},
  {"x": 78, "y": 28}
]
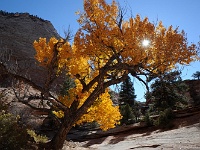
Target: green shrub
[
  {"x": 165, "y": 118},
  {"x": 128, "y": 116},
  {"x": 148, "y": 121},
  {"x": 12, "y": 136}
]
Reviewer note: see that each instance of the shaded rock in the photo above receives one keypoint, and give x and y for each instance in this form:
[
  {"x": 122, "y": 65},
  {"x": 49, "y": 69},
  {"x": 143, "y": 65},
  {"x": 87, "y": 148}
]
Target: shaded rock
[{"x": 18, "y": 31}]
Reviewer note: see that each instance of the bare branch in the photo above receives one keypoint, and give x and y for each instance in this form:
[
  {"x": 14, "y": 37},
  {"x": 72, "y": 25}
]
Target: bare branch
[{"x": 68, "y": 34}]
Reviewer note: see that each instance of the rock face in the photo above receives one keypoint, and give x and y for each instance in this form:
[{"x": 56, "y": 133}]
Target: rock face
[{"x": 17, "y": 34}]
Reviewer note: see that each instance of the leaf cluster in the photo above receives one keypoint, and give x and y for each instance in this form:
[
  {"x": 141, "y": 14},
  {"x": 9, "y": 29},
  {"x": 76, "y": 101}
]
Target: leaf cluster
[{"x": 37, "y": 138}]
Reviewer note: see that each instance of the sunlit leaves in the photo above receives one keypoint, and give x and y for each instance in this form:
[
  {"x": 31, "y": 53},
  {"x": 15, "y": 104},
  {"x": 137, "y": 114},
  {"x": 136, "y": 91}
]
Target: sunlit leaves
[
  {"x": 55, "y": 52},
  {"x": 44, "y": 50},
  {"x": 102, "y": 32},
  {"x": 59, "y": 114},
  {"x": 103, "y": 112}
]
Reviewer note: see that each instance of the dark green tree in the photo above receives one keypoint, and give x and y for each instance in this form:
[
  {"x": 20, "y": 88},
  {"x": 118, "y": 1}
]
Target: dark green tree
[
  {"x": 196, "y": 75},
  {"x": 127, "y": 101},
  {"x": 168, "y": 91},
  {"x": 136, "y": 111},
  {"x": 68, "y": 83},
  {"x": 127, "y": 93},
  {"x": 127, "y": 113}
]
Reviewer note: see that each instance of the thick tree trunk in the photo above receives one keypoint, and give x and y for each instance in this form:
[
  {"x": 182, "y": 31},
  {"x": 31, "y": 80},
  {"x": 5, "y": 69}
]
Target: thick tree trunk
[
  {"x": 69, "y": 120},
  {"x": 60, "y": 137}
]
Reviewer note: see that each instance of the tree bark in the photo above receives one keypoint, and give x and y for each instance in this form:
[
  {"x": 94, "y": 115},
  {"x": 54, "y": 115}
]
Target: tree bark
[{"x": 60, "y": 137}]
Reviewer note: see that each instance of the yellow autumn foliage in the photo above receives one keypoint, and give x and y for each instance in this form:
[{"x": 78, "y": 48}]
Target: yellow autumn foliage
[
  {"x": 102, "y": 33},
  {"x": 45, "y": 52},
  {"x": 103, "y": 112},
  {"x": 59, "y": 114}
]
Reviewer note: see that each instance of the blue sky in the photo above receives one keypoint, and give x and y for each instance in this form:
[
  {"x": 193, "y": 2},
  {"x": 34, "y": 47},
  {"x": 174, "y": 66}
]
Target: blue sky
[{"x": 184, "y": 14}]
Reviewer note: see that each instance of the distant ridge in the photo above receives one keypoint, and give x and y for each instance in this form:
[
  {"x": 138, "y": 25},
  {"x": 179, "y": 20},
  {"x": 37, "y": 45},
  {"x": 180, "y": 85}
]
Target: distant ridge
[{"x": 17, "y": 14}]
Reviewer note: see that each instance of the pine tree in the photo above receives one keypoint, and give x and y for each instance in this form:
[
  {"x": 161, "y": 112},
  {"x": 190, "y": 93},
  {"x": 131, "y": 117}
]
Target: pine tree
[
  {"x": 127, "y": 93},
  {"x": 127, "y": 113},
  {"x": 196, "y": 75},
  {"x": 127, "y": 101},
  {"x": 68, "y": 83},
  {"x": 168, "y": 91}
]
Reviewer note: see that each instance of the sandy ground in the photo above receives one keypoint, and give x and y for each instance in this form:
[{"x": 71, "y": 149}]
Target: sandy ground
[{"x": 184, "y": 138}]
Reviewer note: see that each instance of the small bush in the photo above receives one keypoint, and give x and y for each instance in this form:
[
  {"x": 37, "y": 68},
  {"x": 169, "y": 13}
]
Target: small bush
[
  {"x": 128, "y": 115},
  {"x": 165, "y": 118},
  {"x": 148, "y": 121},
  {"x": 12, "y": 136}
]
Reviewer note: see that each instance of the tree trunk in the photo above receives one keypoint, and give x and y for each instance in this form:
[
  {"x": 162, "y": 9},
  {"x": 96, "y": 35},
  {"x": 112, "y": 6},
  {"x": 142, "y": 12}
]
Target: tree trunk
[
  {"x": 59, "y": 138},
  {"x": 69, "y": 120}
]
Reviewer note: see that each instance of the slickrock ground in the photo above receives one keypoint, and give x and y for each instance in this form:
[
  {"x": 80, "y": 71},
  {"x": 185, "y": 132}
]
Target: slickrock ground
[{"x": 184, "y": 136}]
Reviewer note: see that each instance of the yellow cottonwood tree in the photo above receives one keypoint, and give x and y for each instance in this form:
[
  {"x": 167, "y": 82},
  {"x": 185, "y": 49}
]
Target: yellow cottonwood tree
[{"x": 105, "y": 50}]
